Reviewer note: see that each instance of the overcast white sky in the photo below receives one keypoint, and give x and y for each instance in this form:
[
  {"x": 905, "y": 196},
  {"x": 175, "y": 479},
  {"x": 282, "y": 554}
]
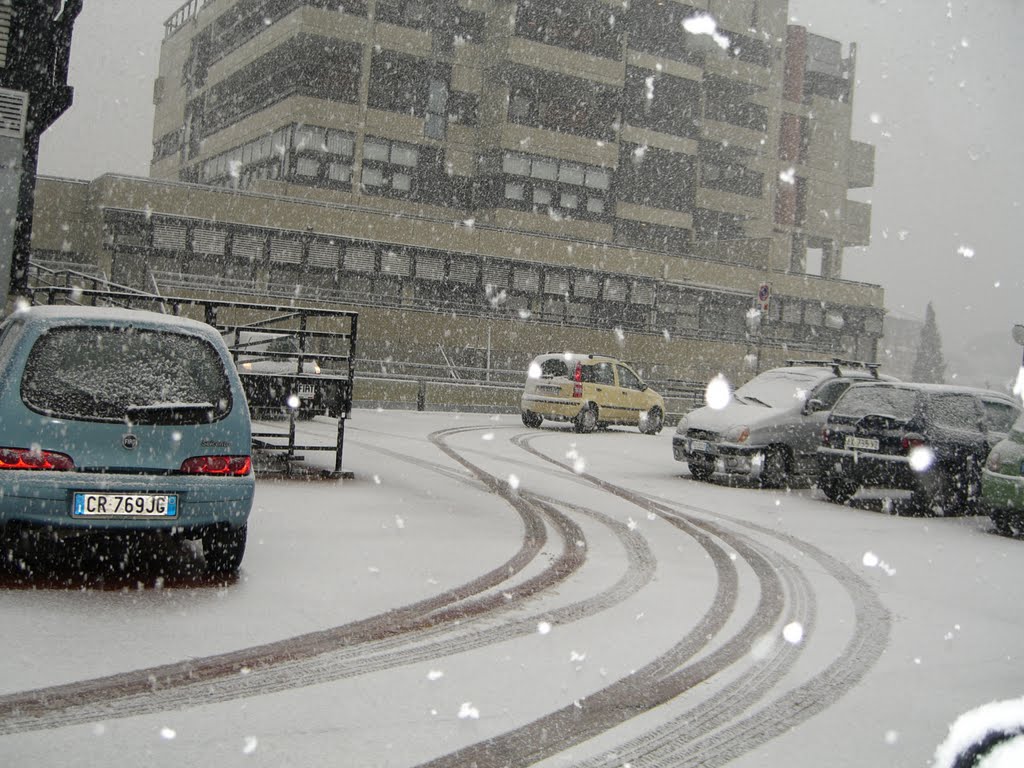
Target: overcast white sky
[{"x": 938, "y": 90}]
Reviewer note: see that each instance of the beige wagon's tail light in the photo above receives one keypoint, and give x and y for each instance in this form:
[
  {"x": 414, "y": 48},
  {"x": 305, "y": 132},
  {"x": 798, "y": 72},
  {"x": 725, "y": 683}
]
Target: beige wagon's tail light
[
  {"x": 577, "y": 381},
  {"x": 236, "y": 466},
  {"x": 28, "y": 458}
]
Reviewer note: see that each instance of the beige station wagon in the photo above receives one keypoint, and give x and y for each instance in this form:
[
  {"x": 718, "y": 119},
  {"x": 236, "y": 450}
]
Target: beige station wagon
[{"x": 591, "y": 391}]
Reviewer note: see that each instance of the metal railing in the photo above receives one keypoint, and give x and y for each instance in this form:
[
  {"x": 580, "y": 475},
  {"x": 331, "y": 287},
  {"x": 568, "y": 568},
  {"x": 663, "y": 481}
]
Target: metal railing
[
  {"x": 183, "y": 15},
  {"x": 234, "y": 318}
]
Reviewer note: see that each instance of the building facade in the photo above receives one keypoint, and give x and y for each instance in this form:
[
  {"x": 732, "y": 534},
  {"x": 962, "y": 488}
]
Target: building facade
[{"x": 545, "y": 169}]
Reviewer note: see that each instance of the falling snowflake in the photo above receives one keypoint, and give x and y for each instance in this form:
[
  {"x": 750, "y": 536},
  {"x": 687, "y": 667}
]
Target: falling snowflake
[
  {"x": 793, "y": 633},
  {"x": 543, "y": 627},
  {"x": 468, "y": 712},
  {"x": 921, "y": 458},
  {"x": 788, "y": 176},
  {"x": 435, "y": 674},
  {"x": 251, "y": 742},
  {"x": 718, "y": 394},
  {"x": 167, "y": 733},
  {"x": 513, "y": 482},
  {"x": 704, "y": 24},
  {"x": 966, "y": 251}
]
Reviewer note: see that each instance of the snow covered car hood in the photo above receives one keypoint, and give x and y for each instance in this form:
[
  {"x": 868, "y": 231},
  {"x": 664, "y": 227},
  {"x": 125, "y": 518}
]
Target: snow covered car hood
[{"x": 719, "y": 420}]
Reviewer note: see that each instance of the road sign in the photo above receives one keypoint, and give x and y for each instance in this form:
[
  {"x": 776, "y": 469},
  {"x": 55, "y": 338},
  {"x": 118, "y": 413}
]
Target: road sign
[{"x": 764, "y": 295}]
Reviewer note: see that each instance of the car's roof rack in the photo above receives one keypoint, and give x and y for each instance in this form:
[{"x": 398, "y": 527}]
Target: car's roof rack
[
  {"x": 590, "y": 356},
  {"x": 838, "y": 363}
]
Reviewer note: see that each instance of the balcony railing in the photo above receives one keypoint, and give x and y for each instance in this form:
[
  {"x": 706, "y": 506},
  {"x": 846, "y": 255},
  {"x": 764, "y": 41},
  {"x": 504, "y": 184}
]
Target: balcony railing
[{"x": 183, "y": 15}]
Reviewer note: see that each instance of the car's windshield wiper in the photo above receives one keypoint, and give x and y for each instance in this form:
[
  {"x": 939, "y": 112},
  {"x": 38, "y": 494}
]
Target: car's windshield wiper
[{"x": 756, "y": 400}]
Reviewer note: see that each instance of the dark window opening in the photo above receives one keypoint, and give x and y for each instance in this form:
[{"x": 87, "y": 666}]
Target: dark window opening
[{"x": 588, "y": 27}]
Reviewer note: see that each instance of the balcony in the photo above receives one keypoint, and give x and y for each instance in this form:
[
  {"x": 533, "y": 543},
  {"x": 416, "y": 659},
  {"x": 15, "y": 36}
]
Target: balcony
[
  {"x": 861, "y": 167},
  {"x": 857, "y": 224},
  {"x": 732, "y": 135},
  {"x": 565, "y": 62}
]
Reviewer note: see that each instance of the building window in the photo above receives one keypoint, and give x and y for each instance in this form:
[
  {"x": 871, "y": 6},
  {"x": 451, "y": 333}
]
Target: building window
[
  {"x": 437, "y": 109},
  {"x": 373, "y": 150},
  {"x": 515, "y": 191},
  {"x": 307, "y": 167},
  {"x": 575, "y": 24},
  {"x": 294, "y": 68},
  {"x": 388, "y": 167},
  {"x": 340, "y": 172},
  {"x": 402, "y": 155},
  {"x": 561, "y": 187},
  {"x": 562, "y": 103}
]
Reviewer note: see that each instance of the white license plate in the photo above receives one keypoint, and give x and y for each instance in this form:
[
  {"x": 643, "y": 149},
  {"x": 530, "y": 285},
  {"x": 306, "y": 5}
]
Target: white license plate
[
  {"x": 124, "y": 505},
  {"x": 698, "y": 446},
  {"x": 861, "y": 443}
]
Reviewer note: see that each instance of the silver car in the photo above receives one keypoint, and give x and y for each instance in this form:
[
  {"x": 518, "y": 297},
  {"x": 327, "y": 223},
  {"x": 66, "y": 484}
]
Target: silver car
[{"x": 771, "y": 427}]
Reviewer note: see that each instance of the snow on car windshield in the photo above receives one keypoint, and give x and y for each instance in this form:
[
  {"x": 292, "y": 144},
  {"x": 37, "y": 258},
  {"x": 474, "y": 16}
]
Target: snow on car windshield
[{"x": 777, "y": 389}]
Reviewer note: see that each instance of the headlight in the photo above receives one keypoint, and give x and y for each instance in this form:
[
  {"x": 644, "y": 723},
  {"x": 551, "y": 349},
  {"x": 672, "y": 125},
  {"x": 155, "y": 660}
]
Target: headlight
[
  {"x": 737, "y": 434},
  {"x": 1005, "y": 459}
]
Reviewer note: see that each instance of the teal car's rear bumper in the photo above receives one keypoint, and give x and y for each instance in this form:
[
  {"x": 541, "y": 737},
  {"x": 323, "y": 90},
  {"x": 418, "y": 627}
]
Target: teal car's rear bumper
[{"x": 46, "y": 499}]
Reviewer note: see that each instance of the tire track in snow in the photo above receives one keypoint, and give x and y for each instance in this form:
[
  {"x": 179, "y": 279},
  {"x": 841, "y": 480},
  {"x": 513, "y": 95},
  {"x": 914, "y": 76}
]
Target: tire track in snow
[
  {"x": 337, "y": 653},
  {"x": 685, "y": 740},
  {"x": 18, "y": 711}
]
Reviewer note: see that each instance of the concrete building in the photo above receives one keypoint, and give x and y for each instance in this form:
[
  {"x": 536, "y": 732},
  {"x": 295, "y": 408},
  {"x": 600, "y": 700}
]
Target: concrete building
[{"x": 545, "y": 174}]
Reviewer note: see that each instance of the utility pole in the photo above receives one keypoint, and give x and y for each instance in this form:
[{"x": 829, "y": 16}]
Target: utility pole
[{"x": 35, "y": 44}]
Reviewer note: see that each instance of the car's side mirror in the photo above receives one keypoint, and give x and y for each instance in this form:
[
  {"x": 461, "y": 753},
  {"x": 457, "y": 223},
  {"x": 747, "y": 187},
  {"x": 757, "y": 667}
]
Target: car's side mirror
[
  {"x": 643, "y": 387},
  {"x": 814, "y": 406}
]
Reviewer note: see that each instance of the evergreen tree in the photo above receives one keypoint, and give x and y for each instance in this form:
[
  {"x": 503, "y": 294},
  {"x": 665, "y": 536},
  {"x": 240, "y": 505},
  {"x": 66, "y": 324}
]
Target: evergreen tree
[{"x": 929, "y": 367}]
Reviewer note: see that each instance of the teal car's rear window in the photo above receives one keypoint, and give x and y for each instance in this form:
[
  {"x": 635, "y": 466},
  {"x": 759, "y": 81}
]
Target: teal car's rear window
[{"x": 113, "y": 373}]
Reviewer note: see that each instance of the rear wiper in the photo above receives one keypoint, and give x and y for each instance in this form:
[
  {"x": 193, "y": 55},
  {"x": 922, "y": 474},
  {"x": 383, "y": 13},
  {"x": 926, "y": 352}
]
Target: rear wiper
[
  {"x": 882, "y": 420},
  {"x": 758, "y": 401}
]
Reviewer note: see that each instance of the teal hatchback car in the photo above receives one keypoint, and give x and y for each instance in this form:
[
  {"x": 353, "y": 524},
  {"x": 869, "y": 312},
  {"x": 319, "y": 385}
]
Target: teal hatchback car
[
  {"x": 120, "y": 421},
  {"x": 1002, "y": 482}
]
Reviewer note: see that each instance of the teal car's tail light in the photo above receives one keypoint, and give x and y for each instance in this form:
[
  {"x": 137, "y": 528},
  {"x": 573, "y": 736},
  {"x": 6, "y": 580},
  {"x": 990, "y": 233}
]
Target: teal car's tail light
[
  {"x": 28, "y": 458},
  {"x": 237, "y": 466}
]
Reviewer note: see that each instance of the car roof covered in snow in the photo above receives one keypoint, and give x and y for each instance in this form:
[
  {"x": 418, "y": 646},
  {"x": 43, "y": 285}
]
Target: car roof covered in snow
[
  {"x": 577, "y": 357},
  {"x": 52, "y": 315}
]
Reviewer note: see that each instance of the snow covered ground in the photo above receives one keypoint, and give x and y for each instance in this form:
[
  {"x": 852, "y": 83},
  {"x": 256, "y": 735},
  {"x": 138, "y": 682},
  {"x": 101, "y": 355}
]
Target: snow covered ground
[{"x": 485, "y": 593}]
